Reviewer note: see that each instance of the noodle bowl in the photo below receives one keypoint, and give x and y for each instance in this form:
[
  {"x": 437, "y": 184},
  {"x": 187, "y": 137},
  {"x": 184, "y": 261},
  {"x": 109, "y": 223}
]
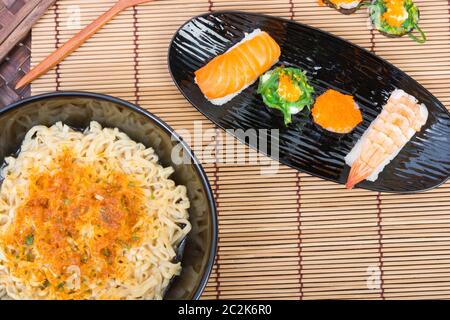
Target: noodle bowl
[{"x": 88, "y": 215}]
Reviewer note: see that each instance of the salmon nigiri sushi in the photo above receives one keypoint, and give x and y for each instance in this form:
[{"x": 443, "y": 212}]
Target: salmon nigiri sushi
[
  {"x": 225, "y": 76},
  {"x": 397, "y": 123}
]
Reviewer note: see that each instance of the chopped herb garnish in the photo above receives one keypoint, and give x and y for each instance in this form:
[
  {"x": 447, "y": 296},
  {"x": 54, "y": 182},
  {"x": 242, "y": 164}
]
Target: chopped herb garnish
[
  {"x": 106, "y": 252},
  {"x": 29, "y": 256},
  {"x": 123, "y": 244},
  {"x": 152, "y": 196},
  {"x": 134, "y": 237},
  {"x": 29, "y": 239},
  {"x": 45, "y": 284},
  {"x": 61, "y": 285},
  {"x": 84, "y": 258}
]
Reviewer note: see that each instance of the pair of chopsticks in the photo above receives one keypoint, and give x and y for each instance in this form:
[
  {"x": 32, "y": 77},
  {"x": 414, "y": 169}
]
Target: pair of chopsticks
[{"x": 70, "y": 46}]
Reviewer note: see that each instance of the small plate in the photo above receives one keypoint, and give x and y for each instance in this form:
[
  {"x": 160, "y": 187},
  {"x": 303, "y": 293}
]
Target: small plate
[{"x": 330, "y": 62}]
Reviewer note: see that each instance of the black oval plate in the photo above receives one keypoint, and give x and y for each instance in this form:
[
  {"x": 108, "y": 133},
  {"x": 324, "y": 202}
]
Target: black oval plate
[{"x": 330, "y": 62}]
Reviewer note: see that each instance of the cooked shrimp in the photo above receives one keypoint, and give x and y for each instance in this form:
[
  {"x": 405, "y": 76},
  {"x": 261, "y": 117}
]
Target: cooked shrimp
[{"x": 399, "y": 120}]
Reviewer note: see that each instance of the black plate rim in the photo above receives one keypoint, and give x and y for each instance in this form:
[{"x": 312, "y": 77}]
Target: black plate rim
[
  {"x": 317, "y": 30},
  {"x": 198, "y": 167}
]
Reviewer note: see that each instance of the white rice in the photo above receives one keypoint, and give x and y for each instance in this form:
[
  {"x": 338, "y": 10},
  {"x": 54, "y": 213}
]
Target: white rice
[
  {"x": 348, "y": 6},
  {"x": 227, "y": 98},
  {"x": 222, "y": 100},
  {"x": 356, "y": 151}
]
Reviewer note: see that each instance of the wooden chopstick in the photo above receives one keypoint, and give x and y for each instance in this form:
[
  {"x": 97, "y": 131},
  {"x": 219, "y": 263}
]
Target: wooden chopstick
[{"x": 76, "y": 41}]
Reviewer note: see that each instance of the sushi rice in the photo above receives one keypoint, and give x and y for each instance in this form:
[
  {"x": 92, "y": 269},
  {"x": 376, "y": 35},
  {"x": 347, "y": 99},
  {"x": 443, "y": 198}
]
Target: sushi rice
[
  {"x": 356, "y": 151},
  {"x": 344, "y": 5},
  {"x": 347, "y": 5}
]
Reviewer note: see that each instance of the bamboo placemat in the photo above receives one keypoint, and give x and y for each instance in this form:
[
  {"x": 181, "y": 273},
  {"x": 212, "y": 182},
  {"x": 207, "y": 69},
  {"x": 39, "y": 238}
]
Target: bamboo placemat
[
  {"x": 286, "y": 235},
  {"x": 12, "y": 68}
]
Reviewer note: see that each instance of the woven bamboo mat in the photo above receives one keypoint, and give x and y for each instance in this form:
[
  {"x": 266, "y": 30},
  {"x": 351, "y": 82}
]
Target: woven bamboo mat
[
  {"x": 287, "y": 235},
  {"x": 12, "y": 68}
]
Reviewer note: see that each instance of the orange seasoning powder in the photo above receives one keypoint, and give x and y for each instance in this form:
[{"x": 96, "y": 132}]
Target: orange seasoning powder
[
  {"x": 336, "y": 112},
  {"x": 75, "y": 218}
]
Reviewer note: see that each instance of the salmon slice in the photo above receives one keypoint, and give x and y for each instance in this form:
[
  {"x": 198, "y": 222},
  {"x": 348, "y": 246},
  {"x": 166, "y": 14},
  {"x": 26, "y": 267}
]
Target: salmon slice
[
  {"x": 233, "y": 71},
  {"x": 397, "y": 123}
]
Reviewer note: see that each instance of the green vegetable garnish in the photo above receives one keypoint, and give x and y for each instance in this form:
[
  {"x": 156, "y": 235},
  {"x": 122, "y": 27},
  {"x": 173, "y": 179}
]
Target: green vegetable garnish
[
  {"x": 29, "y": 239},
  {"x": 29, "y": 256},
  {"x": 45, "y": 284},
  {"x": 84, "y": 258},
  {"x": 61, "y": 285},
  {"x": 106, "y": 252},
  {"x": 388, "y": 25},
  {"x": 287, "y": 90}
]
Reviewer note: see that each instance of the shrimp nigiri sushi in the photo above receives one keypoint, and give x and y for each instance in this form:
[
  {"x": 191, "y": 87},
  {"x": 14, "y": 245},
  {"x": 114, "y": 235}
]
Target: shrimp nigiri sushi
[
  {"x": 397, "y": 123},
  {"x": 225, "y": 76}
]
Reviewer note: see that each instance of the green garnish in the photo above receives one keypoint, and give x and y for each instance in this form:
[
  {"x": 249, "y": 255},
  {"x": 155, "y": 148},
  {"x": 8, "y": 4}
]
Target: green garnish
[
  {"x": 66, "y": 202},
  {"x": 123, "y": 244},
  {"x": 377, "y": 11},
  {"x": 84, "y": 258},
  {"x": 106, "y": 252},
  {"x": 287, "y": 90},
  {"x": 134, "y": 237},
  {"x": 60, "y": 286},
  {"x": 29, "y": 256},
  {"x": 45, "y": 284},
  {"x": 29, "y": 239}
]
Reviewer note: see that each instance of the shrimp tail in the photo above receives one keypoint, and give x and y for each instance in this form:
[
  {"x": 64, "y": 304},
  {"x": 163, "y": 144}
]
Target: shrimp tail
[{"x": 359, "y": 171}]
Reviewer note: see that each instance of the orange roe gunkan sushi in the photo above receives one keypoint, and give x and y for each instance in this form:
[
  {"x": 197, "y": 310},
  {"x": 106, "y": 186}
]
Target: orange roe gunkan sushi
[{"x": 336, "y": 112}]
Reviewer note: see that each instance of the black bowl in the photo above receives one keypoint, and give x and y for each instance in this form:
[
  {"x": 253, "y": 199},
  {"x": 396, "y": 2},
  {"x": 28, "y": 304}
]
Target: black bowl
[
  {"x": 330, "y": 62},
  {"x": 77, "y": 109}
]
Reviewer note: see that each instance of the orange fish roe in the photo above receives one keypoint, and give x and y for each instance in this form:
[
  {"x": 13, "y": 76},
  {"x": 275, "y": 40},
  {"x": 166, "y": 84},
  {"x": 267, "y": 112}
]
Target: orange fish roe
[
  {"x": 287, "y": 90},
  {"x": 395, "y": 13},
  {"x": 336, "y": 112}
]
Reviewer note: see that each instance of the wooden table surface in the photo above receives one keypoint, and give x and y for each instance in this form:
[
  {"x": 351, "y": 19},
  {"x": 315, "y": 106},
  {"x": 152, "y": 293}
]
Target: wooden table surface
[{"x": 12, "y": 69}]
